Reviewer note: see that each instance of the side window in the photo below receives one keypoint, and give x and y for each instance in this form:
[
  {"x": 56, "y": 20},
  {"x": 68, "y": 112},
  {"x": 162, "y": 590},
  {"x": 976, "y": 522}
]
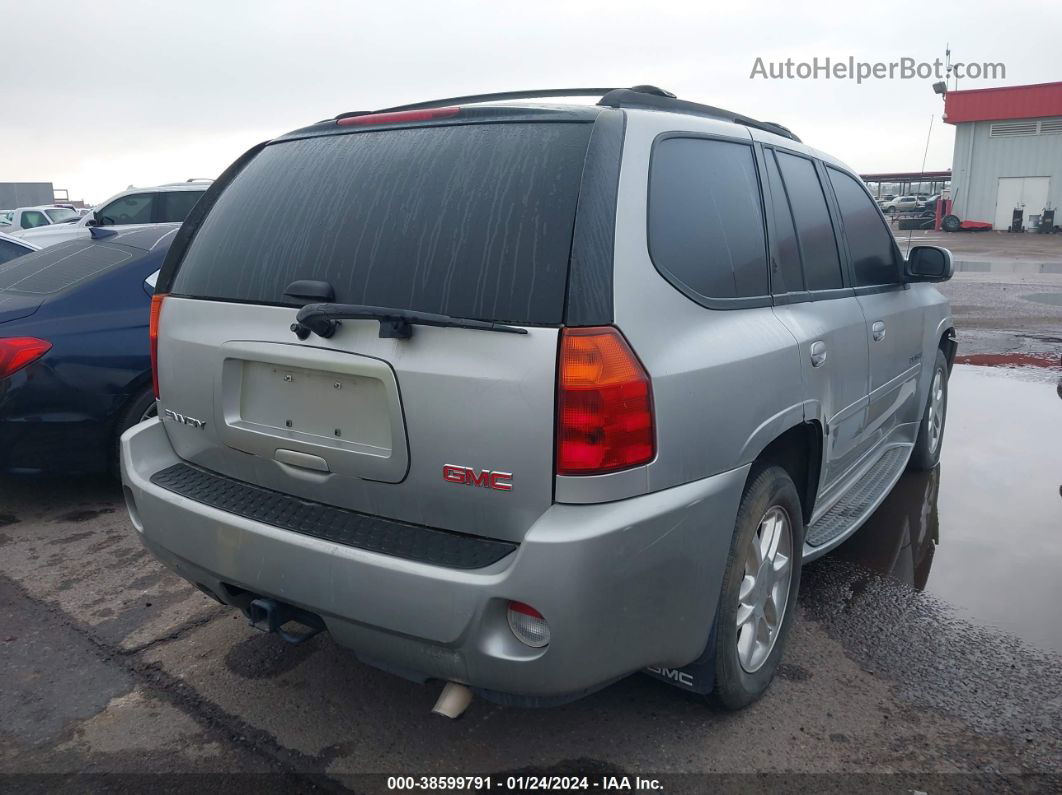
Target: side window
[
  {"x": 132, "y": 209},
  {"x": 705, "y": 217},
  {"x": 31, "y": 219},
  {"x": 869, "y": 242},
  {"x": 9, "y": 250},
  {"x": 175, "y": 205},
  {"x": 818, "y": 247},
  {"x": 787, "y": 276}
]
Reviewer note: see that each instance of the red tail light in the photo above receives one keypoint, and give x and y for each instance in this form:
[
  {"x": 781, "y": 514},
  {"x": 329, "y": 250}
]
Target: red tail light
[
  {"x": 399, "y": 116},
  {"x": 153, "y": 334},
  {"x": 604, "y": 404},
  {"x": 17, "y": 352}
]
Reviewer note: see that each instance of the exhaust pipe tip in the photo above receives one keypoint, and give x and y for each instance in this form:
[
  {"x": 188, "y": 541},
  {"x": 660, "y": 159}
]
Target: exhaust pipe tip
[{"x": 453, "y": 701}]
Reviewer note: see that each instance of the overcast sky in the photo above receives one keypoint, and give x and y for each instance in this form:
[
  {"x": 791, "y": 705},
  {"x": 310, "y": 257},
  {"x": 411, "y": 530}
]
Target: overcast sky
[{"x": 100, "y": 96}]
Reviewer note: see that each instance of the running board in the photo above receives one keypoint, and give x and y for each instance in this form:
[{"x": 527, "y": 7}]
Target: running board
[{"x": 856, "y": 506}]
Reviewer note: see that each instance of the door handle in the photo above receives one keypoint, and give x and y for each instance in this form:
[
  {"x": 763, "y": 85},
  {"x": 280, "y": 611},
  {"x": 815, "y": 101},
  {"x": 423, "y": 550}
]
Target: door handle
[
  {"x": 818, "y": 353},
  {"x": 878, "y": 330}
]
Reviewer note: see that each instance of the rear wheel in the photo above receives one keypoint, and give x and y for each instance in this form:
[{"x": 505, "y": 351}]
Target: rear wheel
[
  {"x": 760, "y": 587},
  {"x": 926, "y": 453},
  {"x": 141, "y": 407}
]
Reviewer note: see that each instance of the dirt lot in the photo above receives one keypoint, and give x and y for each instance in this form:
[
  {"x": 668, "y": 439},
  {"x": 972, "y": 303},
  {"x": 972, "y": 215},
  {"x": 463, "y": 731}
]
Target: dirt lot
[{"x": 927, "y": 655}]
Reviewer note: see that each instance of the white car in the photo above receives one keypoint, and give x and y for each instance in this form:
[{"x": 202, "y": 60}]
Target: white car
[
  {"x": 11, "y": 247},
  {"x": 18, "y": 222},
  {"x": 132, "y": 207},
  {"x": 903, "y": 204}
]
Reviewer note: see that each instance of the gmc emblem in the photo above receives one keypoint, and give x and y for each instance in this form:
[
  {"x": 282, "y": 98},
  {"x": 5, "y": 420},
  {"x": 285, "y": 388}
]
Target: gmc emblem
[{"x": 500, "y": 481}]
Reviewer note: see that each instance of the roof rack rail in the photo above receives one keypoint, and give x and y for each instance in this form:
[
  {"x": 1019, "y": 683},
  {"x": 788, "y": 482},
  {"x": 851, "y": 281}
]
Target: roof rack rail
[
  {"x": 638, "y": 98},
  {"x": 644, "y": 97}
]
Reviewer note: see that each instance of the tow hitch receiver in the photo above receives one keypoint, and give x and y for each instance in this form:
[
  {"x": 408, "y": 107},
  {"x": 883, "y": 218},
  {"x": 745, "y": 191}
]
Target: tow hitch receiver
[{"x": 269, "y": 615}]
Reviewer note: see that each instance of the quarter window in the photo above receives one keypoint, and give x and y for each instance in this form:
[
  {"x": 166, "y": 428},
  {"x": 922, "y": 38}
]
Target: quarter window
[
  {"x": 818, "y": 247},
  {"x": 705, "y": 218},
  {"x": 870, "y": 243}
]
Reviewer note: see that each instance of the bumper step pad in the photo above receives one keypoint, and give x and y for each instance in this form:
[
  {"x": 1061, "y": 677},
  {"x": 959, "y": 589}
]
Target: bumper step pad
[{"x": 341, "y": 526}]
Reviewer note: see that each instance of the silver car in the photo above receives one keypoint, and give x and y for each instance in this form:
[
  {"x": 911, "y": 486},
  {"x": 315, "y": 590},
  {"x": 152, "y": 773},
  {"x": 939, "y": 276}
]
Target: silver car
[{"x": 526, "y": 398}]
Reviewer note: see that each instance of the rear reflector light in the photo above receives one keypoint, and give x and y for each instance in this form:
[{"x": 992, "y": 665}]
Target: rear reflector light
[
  {"x": 398, "y": 117},
  {"x": 528, "y": 625},
  {"x": 17, "y": 352},
  {"x": 153, "y": 334},
  {"x": 604, "y": 404}
]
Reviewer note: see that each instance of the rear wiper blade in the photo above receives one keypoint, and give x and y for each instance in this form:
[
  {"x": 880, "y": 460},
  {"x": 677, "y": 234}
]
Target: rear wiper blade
[{"x": 323, "y": 320}]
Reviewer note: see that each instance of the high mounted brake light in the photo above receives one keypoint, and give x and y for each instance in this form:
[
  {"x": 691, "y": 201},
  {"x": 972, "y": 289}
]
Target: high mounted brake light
[
  {"x": 153, "y": 334},
  {"x": 604, "y": 404},
  {"x": 398, "y": 117},
  {"x": 17, "y": 352}
]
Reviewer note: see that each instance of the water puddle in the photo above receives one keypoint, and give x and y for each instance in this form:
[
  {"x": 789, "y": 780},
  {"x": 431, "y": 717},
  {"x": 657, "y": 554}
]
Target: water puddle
[{"x": 983, "y": 532}]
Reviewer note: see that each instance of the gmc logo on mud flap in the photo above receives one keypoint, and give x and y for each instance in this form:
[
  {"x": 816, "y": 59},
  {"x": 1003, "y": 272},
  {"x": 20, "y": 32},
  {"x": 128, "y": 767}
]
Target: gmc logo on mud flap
[
  {"x": 673, "y": 675},
  {"x": 499, "y": 481}
]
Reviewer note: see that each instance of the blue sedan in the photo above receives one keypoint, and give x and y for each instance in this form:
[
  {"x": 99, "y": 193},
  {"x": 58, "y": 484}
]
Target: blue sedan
[{"x": 75, "y": 359}]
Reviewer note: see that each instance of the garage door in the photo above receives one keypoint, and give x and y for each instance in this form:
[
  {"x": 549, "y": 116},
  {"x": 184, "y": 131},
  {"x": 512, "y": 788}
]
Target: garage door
[{"x": 1028, "y": 193}]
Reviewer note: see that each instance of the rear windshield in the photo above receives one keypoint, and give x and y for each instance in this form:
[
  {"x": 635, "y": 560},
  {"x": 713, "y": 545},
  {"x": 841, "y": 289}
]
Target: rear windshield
[
  {"x": 57, "y": 268},
  {"x": 473, "y": 221}
]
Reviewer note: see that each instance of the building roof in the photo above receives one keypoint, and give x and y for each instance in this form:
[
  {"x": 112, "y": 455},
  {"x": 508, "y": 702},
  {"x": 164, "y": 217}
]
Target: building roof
[
  {"x": 1006, "y": 102},
  {"x": 906, "y": 176}
]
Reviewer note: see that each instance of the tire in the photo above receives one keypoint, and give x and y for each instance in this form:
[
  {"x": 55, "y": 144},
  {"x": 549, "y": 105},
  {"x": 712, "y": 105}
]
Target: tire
[
  {"x": 926, "y": 453},
  {"x": 743, "y": 670},
  {"x": 950, "y": 223},
  {"x": 138, "y": 409}
]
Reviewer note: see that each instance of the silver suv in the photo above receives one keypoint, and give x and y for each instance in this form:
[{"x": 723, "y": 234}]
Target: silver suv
[{"x": 529, "y": 397}]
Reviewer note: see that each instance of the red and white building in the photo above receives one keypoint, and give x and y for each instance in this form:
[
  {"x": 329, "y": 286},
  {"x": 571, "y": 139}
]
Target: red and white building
[{"x": 1008, "y": 152}]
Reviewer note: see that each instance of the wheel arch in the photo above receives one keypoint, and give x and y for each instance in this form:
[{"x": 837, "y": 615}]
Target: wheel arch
[
  {"x": 798, "y": 450},
  {"x": 948, "y": 343}
]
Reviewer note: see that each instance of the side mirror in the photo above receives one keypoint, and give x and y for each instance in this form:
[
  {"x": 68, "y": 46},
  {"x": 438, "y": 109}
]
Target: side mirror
[{"x": 928, "y": 264}]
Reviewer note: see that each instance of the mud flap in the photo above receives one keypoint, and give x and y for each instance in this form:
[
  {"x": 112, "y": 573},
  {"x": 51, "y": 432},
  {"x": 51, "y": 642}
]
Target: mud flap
[{"x": 696, "y": 677}]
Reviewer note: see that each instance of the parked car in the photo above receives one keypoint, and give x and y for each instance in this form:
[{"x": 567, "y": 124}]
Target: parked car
[
  {"x": 903, "y": 204},
  {"x": 19, "y": 222},
  {"x": 75, "y": 365},
  {"x": 11, "y": 247},
  {"x": 545, "y": 399},
  {"x": 136, "y": 206}
]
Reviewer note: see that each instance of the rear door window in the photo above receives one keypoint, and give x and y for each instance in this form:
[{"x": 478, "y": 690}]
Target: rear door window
[
  {"x": 473, "y": 221},
  {"x": 174, "y": 206},
  {"x": 870, "y": 244},
  {"x": 705, "y": 217},
  {"x": 787, "y": 275},
  {"x": 818, "y": 246}
]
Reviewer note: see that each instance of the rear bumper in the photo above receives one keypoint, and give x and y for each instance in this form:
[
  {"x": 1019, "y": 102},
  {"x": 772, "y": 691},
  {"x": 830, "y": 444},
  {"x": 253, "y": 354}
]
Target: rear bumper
[
  {"x": 60, "y": 443},
  {"x": 623, "y": 585}
]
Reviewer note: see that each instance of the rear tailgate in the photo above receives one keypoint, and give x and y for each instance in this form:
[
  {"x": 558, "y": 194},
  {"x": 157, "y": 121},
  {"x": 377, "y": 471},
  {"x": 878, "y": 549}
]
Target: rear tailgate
[{"x": 452, "y": 428}]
